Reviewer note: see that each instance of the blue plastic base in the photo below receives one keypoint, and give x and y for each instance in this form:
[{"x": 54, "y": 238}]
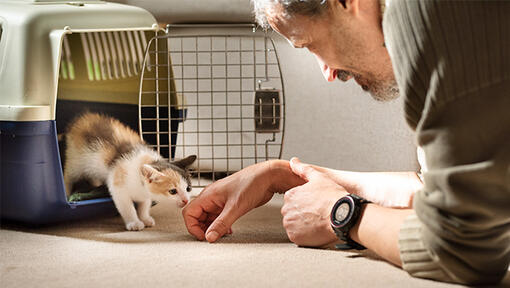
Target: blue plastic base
[{"x": 31, "y": 181}]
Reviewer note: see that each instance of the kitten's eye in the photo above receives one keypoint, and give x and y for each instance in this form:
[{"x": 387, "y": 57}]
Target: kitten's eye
[
  {"x": 188, "y": 189},
  {"x": 173, "y": 191}
]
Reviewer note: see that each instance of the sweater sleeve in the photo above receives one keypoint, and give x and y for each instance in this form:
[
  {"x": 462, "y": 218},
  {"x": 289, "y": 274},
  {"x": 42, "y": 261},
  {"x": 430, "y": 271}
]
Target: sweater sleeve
[
  {"x": 451, "y": 61},
  {"x": 461, "y": 230}
]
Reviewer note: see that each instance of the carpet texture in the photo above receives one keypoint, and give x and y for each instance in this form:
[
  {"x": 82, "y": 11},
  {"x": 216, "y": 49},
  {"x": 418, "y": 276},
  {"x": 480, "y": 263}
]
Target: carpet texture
[{"x": 100, "y": 253}]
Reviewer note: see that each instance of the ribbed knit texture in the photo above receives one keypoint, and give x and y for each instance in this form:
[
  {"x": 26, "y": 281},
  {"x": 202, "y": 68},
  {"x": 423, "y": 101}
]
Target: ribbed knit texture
[
  {"x": 414, "y": 254},
  {"x": 452, "y": 62}
]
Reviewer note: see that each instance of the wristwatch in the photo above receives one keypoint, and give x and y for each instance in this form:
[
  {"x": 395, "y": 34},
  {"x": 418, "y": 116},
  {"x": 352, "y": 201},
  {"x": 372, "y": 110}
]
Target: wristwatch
[{"x": 344, "y": 215}]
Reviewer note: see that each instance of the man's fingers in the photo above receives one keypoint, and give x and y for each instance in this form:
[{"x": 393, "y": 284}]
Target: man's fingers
[
  {"x": 211, "y": 217},
  {"x": 198, "y": 214},
  {"x": 194, "y": 226},
  {"x": 203, "y": 217},
  {"x": 197, "y": 230},
  {"x": 221, "y": 225},
  {"x": 304, "y": 171},
  {"x": 194, "y": 215}
]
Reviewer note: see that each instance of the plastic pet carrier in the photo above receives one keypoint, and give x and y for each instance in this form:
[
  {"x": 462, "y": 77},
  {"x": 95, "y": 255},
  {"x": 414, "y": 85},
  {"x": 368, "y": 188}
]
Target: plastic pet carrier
[
  {"x": 58, "y": 59},
  {"x": 215, "y": 91}
]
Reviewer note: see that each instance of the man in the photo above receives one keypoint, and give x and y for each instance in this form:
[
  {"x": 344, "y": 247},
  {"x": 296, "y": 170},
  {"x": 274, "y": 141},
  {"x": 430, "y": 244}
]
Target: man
[{"x": 451, "y": 60}]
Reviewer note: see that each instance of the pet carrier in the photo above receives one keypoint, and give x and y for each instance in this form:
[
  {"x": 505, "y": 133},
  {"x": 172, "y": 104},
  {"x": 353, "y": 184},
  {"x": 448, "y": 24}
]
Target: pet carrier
[
  {"x": 57, "y": 58},
  {"x": 211, "y": 90}
]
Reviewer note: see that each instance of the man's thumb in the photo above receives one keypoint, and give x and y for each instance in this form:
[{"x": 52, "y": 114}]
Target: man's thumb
[
  {"x": 297, "y": 167},
  {"x": 220, "y": 225}
]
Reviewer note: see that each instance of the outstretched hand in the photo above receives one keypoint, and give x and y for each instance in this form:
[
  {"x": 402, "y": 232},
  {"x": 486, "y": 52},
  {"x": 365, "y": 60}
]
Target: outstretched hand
[
  {"x": 307, "y": 208},
  {"x": 212, "y": 213}
]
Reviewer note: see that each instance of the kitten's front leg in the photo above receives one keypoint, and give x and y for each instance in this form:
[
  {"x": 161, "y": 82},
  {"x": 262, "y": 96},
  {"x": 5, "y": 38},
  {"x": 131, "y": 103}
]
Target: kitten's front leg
[
  {"x": 127, "y": 210},
  {"x": 143, "y": 211},
  {"x": 69, "y": 180}
]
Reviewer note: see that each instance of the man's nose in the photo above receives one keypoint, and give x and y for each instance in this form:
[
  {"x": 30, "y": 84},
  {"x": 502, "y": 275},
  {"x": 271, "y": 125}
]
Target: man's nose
[{"x": 328, "y": 73}]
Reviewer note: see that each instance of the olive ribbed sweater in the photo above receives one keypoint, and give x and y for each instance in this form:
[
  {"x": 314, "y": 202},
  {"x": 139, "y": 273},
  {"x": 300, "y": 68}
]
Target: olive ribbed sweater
[{"x": 452, "y": 63}]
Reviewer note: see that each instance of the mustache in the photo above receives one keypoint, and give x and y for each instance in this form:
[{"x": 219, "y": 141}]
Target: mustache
[{"x": 343, "y": 75}]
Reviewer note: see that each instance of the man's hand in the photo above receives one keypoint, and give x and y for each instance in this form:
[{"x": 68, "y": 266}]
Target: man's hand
[
  {"x": 212, "y": 213},
  {"x": 307, "y": 208}
]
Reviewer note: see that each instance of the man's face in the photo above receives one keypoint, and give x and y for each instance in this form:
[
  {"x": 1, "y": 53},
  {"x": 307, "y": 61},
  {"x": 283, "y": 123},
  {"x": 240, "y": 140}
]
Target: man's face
[{"x": 345, "y": 48}]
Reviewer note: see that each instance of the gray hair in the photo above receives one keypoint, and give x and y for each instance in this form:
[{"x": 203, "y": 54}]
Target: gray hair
[{"x": 290, "y": 8}]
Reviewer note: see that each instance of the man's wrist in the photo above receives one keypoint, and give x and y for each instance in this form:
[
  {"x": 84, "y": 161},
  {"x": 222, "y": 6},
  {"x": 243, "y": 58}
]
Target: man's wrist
[
  {"x": 353, "y": 233},
  {"x": 345, "y": 214}
]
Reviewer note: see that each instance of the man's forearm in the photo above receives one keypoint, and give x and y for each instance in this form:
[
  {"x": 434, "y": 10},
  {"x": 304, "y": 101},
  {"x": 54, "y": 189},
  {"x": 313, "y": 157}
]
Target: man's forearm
[
  {"x": 390, "y": 189},
  {"x": 378, "y": 230}
]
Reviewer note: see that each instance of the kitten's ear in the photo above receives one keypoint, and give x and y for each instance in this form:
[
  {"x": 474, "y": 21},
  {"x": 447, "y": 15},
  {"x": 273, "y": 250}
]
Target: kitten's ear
[
  {"x": 185, "y": 162},
  {"x": 150, "y": 174}
]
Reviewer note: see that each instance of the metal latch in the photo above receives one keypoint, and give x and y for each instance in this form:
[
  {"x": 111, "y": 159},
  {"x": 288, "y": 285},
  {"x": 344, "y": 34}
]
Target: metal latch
[{"x": 267, "y": 111}]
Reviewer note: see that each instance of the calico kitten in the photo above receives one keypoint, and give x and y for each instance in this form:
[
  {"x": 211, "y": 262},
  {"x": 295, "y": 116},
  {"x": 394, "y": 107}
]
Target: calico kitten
[{"x": 103, "y": 150}]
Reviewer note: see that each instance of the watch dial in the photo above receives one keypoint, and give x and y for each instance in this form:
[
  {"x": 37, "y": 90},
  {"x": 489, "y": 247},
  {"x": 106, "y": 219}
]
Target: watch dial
[{"x": 342, "y": 211}]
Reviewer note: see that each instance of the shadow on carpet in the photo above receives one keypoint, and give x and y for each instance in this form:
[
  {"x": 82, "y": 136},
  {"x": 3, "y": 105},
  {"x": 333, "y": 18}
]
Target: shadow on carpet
[{"x": 262, "y": 225}]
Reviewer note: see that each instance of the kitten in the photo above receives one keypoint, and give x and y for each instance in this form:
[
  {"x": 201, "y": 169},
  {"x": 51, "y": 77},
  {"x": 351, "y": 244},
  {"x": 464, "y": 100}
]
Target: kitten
[{"x": 103, "y": 150}]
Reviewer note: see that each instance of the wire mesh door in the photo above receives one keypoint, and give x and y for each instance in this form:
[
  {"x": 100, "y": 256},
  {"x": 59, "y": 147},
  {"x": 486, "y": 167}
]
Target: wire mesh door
[{"x": 218, "y": 96}]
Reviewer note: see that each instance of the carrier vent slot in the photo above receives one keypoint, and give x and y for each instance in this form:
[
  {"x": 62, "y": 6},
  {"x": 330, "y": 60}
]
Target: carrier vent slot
[
  {"x": 106, "y": 55},
  {"x": 66, "y": 63}
]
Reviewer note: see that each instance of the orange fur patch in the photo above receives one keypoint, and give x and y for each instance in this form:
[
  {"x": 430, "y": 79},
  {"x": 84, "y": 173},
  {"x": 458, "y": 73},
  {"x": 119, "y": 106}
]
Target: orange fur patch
[
  {"x": 119, "y": 177},
  {"x": 170, "y": 180}
]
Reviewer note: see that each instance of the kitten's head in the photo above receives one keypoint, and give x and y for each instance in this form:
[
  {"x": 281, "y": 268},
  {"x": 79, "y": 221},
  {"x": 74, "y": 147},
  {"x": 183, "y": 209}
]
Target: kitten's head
[{"x": 169, "y": 179}]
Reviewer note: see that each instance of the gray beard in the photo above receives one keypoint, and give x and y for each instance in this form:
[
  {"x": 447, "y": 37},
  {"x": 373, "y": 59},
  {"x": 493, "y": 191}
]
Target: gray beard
[{"x": 383, "y": 91}]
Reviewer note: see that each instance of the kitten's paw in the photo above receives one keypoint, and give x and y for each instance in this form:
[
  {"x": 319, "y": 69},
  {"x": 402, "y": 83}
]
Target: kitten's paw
[
  {"x": 149, "y": 221},
  {"x": 135, "y": 226}
]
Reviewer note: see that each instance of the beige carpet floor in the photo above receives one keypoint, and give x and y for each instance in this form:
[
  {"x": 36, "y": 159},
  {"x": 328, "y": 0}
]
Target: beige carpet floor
[{"x": 100, "y": 253}]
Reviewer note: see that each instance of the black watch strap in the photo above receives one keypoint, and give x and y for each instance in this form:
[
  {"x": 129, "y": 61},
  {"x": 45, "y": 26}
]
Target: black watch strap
[{"x": 343, "y": 233}]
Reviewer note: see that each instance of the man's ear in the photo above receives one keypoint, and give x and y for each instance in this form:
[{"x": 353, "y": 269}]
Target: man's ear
[
  {"x": 352, "y": 6},
  {"x": 344, "y": 6},
  {"x": 185, "y": 162},
  {"x": 150, "y": 174}
]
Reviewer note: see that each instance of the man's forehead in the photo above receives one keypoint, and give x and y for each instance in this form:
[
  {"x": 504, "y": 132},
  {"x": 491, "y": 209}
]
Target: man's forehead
[{"x": 291, "y": 28}]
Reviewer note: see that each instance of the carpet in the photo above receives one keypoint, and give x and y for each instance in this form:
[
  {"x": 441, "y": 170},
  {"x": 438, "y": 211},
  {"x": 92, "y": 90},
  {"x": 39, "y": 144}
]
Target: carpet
[{"x": 100, "y": 253}]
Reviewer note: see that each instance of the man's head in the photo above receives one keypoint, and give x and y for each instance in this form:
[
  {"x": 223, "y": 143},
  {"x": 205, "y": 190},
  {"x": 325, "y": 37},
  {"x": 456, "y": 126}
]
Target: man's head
[{"x": 344, "y": 35}]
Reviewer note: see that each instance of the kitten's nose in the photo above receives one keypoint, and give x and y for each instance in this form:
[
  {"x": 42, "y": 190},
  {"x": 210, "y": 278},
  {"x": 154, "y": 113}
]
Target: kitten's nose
[{"x": 184, "y": 202}]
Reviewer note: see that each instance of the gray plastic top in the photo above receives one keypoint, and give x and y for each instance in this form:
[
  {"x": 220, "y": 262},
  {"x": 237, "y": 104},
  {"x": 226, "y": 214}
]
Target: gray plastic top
[{"x": 30, "y": 48}]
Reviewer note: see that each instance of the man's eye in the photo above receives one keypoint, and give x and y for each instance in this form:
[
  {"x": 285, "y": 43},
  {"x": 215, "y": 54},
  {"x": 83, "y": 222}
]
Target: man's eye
[{"x": 173, "y": 191}]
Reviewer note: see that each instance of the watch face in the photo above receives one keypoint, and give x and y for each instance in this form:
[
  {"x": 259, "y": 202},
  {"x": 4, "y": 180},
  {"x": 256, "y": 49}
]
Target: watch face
[{"x": 342, "y": 211}]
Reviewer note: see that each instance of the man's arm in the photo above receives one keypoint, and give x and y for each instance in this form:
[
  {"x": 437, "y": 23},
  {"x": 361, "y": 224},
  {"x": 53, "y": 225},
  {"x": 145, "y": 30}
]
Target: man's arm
[
  {"x": 307, "y": 208},
  {"x": 378, "y": 230}
]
